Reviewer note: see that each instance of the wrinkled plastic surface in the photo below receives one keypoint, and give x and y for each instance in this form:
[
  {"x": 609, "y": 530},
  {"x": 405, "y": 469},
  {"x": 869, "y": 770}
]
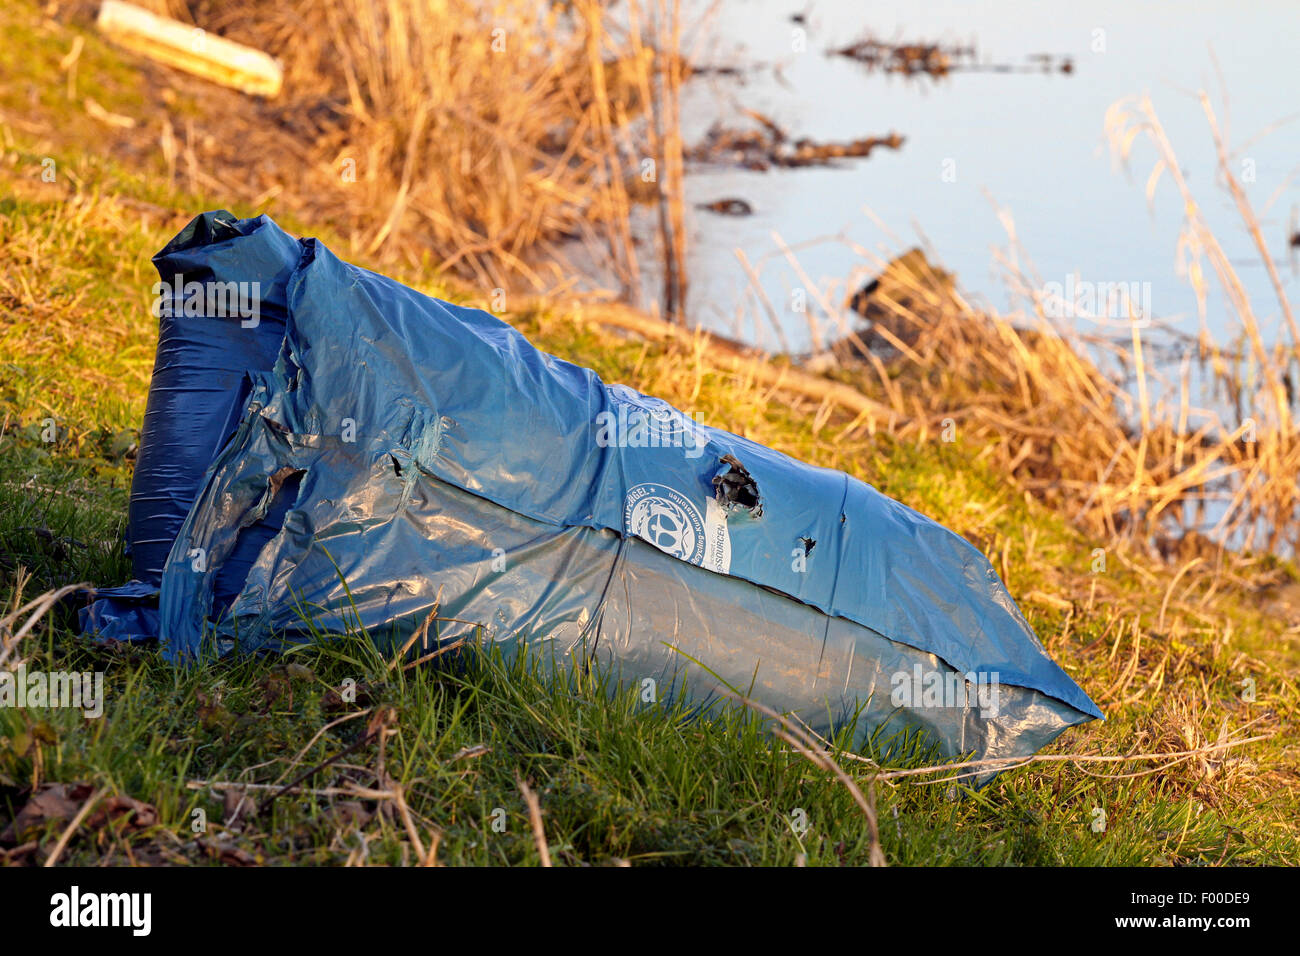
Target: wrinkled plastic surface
[
  {"x": 418, "y": 450},
  {"x": 200, "y": 368}
]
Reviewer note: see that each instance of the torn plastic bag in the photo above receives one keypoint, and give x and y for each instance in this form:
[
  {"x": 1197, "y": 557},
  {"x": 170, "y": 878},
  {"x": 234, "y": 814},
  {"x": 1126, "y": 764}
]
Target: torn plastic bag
[{"x": 412, "y": 448}]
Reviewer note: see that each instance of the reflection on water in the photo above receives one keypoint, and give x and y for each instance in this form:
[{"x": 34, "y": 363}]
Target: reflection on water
[{"x": 1031, "y": 141}]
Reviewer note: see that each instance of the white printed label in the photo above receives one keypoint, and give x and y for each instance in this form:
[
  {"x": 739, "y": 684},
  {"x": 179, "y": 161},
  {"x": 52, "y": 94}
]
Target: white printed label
[
  {"x": 668, "y": 520},
  {"x": 717, "y": 540}
]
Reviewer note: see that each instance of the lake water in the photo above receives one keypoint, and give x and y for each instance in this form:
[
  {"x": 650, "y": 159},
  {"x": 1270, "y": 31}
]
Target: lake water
[{"x": 1032, "y": 142}]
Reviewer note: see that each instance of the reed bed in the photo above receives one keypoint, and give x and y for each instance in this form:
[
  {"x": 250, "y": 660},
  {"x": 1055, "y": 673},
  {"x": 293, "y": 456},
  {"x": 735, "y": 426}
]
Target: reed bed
[
  {"x": 507, "y": 142},
  {"x": 1092, "y": 425}
]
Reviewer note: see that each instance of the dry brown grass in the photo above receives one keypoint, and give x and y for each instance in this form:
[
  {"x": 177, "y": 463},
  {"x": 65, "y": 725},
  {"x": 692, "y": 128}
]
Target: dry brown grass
[{"x": 498, "y": 140}]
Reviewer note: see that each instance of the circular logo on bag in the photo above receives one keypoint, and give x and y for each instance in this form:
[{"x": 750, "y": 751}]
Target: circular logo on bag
[{"x": 666, "y": 519}]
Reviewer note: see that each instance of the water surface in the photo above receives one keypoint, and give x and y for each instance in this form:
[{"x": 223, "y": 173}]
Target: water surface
[{"x": 1032, "y": 142}]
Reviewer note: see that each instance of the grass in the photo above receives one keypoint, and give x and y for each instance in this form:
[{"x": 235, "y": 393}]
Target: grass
[
  {"x": 618, "y": 783},
  {"x": 434, "y": 757}
]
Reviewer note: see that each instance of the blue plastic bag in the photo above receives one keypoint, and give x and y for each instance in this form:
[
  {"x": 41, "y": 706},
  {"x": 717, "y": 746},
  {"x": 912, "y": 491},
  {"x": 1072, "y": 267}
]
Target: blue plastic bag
[{"x": 403, "y": 453}]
